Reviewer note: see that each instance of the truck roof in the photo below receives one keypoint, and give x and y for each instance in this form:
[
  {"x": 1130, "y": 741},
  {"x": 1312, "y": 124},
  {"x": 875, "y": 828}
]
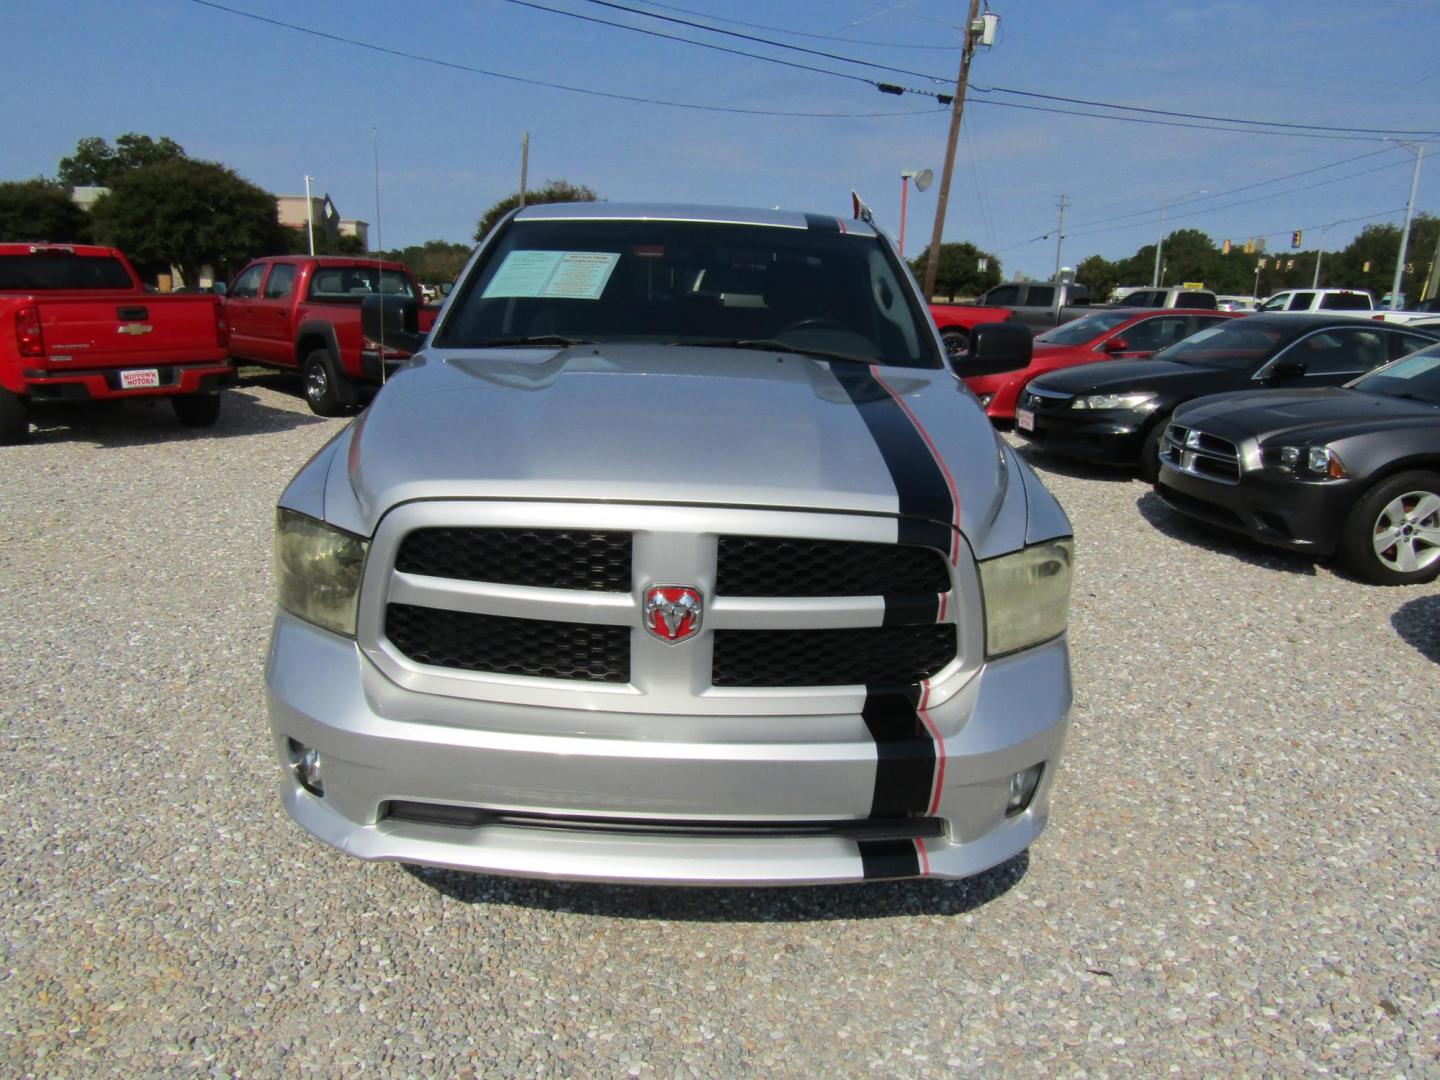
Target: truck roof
[{"x": 727, "y": 215}]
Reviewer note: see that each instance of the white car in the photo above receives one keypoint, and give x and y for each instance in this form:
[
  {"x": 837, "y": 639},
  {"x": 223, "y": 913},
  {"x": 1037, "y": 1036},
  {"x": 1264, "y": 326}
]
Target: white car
[{"x": 1319, "y": 300}]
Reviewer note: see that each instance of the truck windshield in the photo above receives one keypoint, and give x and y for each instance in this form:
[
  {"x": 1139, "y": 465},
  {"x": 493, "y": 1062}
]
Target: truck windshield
[
  {"x": 692, "y": 283},
  {"x": 345, "y": 282},
  {"x": 62, "y": 270}
]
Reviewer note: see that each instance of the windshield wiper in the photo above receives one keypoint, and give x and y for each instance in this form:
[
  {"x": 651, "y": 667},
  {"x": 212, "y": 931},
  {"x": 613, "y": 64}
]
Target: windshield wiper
[
  {"x": 774, "y": 345},
  {"x": 540, "y": 339}
]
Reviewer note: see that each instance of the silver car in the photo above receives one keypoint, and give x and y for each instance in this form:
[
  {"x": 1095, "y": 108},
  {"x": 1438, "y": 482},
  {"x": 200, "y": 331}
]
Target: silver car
[{"x": 678, "y": 553}]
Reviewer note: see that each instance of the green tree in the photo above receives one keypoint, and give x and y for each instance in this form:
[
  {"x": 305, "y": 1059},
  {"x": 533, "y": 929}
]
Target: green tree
[
  {"x": 96, "y": 164},
  {"x": 958, "y": 272},
  {"x": 433, "y": 262},
  {"x": 40, "y": 210},
  {"x": 1100, "y": 274},
  {"x": 297, "y": 242},
  {"x": 188, "y": 213},
  {"x": 554, "y": 191}
]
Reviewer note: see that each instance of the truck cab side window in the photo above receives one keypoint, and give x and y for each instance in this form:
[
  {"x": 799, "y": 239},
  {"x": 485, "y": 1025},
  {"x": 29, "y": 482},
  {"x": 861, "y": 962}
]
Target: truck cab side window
[
  {"x": 247, "y": 285},
  {"x": 282, "y": 277},
  {"x": 1041, "y": 296}
]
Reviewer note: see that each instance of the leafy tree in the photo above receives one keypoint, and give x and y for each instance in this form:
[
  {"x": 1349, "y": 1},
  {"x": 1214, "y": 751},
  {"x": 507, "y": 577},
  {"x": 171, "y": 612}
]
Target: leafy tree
[
  {"x": 554, "y": 191},
  {"x": 434, "y": 261},
  {"x": 958, "y": 272},
  {"x": 96, "y": 164},
  {"x": 188, "y": 213},
  {"x": 1100, "y": 274},
  {"x": 297, "y": 242},
  {"x": 40, "y": 210}
]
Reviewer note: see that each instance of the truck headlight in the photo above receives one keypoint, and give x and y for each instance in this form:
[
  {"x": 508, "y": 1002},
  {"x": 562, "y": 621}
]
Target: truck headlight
[
  {"x": 1138, "y": 402},
  {"x": 1027, "y": 596},
  {"x": 318, "y": 569}
]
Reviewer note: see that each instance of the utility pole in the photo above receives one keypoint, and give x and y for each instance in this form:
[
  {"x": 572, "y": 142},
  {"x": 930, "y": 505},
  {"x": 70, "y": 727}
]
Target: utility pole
[
  {"x": 957, "y": 110},
  {"x": 524, "y": 163},
  {"x": 1060, "y": 235},
  {"x": 1405, "y": 232}
]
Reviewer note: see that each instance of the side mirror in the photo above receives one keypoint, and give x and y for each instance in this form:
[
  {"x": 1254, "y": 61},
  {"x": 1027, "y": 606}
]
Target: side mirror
[
  {"x": 1116, "y": 344},
  {"x": 392, "y": 321},
  {"x": 995, "y": 348},
  {"x": 1286, "y": 369}
]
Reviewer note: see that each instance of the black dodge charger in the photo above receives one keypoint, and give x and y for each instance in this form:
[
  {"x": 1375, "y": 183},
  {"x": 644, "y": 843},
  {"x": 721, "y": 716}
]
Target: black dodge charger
[
  {"x": 1351, "y": 470},
  {"x": 1116, "y": 412}
]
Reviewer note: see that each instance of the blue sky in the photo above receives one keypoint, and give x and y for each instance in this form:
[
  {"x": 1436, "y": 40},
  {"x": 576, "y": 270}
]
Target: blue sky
[{"x": 275, "y": 104}]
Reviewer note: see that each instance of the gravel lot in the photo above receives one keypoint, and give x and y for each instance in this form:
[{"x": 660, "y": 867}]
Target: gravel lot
[{"x": 1240, "y": 874}]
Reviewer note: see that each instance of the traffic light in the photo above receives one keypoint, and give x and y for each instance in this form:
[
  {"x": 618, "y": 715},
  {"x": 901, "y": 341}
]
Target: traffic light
[
  {"x": 1295, "y": 239},
  {"x": 1225, "y": 248},
  {"x": 1249, "y": 247}
]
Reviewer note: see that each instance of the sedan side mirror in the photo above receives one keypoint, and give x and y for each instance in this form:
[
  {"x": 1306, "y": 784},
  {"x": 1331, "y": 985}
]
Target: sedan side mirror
[
  {"x": 392, "y": 321},
  {"x": 1286, "y": 369},
  {"x": 1116, "y": 344},
  {"x": 995, "y": 348}
]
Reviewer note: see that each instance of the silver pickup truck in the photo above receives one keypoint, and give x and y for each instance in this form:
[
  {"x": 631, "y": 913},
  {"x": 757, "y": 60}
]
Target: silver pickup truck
[{"x": 678, "y": 553}]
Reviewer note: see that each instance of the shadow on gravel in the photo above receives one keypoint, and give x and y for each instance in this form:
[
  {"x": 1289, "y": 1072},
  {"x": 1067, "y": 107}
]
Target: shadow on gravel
[
  {"x": 282, "y": 382},
  {"x": 110, "y": 424},
  {"x": 1199, "y": 534},
  {"x": 1053, "y": 464},
  {"x": 1418, "y": 624},
  {"x": 813, "y": 903}
]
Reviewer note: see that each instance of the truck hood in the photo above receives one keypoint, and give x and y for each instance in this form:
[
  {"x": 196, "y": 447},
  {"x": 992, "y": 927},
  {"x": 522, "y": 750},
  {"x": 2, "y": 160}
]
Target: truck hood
[
  {"x": 1318, "y": 415},
  {"x": 672, "y": 424}
]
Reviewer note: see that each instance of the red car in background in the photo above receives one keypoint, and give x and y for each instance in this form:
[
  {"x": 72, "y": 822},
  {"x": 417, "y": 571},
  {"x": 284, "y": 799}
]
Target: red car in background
[{"x": 1109, "y": 334}]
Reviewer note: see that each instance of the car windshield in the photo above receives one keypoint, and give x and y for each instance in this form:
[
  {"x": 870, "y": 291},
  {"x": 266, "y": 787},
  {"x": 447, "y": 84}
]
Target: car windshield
[
  {"x": 691, "y": 283},
  {"x": 357, "y": 282},
  {"x": 1416, "y": 377},
  {"x": 1235, "y": 344},
  {"x": 1082, "y": 330}
]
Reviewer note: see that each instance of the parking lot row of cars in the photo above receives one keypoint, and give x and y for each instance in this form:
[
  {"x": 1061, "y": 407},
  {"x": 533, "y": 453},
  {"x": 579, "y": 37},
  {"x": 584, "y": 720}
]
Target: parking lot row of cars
[{"x": 1318, "y": 433}]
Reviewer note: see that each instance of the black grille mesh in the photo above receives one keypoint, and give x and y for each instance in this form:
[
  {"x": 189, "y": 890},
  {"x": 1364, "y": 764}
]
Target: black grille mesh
[
  {"x": 769, "y": 566},
  {"x": 548, "y": 558},
  {"x": 492, "y": 643},
  {"x": 889, "y": 655}
]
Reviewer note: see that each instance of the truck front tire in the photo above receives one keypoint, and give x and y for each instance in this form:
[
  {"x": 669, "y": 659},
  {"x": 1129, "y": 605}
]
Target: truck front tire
[
  {"x": 321, "y": 384},
  {"x": 196, "y": 410},
  {"x": 14, "y": 419}
]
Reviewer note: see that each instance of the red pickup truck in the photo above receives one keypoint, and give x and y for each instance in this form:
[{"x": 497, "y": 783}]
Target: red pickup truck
[
  {"x": 302, "y": 313},
  {"x": 956, "y": 321},
  {"x": 76, "y": 324}
]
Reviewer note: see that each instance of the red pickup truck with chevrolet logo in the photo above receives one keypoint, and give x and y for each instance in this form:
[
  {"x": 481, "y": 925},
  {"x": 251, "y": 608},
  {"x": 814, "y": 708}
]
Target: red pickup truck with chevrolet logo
[
  {"x": 302, "y": 313},
  {"x": 77, "y": 324}
]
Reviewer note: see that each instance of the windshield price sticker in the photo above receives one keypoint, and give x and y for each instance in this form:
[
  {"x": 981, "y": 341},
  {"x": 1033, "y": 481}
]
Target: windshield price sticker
[{"x": 570, "y": 275}]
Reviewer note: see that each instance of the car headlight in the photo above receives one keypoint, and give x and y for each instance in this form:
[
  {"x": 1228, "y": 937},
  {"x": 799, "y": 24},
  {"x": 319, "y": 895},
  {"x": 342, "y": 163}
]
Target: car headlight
[
  {"x": 1027, "y": 596},
  {"x": 1312, "y": 461},
  {"x": 318, "y": 570},
  {"x": 1138, "y": 402}
]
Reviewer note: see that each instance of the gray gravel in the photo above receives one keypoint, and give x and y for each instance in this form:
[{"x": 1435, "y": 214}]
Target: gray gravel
[{"x": 1240, "y": 875}]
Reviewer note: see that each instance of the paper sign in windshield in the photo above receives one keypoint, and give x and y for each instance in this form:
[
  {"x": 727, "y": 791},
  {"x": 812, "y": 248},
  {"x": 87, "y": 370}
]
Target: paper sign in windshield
[{"x": 570, "y": 275}]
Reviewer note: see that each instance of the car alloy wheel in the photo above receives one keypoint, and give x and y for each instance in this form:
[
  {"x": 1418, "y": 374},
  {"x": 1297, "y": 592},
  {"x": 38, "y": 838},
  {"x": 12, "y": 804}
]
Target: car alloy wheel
[{"x": 1406, "y": 533}]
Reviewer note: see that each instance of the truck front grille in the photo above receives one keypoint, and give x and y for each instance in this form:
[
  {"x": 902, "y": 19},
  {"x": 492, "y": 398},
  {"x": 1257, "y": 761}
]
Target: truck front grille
[
  {"x": 785, "y": 566},
  {"x": 535, "y": 647},
  {"x": 884, "y": 655},
  {"x": 547, "y": 558}
]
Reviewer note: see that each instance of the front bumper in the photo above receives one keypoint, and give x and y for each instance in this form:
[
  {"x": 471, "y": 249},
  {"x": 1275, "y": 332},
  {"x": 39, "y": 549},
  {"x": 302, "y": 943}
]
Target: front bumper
[
  {"x": 672, "y": 781},
  {"x": 103, "y": 384},
  {"x": 1106, "y": 437},
  {"x": 1268, "y": 506}
]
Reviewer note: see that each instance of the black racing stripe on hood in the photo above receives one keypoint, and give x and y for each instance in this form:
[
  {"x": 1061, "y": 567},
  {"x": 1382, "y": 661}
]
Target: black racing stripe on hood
[
  {"x": 904, "y": 752},
  {"x": 888, "y": 859},
  {"x": 926, "y": 508}
]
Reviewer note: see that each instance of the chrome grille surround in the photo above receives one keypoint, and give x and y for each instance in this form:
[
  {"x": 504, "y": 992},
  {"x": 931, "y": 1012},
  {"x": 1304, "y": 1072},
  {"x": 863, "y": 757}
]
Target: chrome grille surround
[
  {"x": 670, "y": 544},
  {"x": 1190, "y": 450}
]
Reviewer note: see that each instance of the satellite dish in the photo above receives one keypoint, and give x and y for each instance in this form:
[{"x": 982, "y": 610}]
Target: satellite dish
[{"x": 923, "y": 178}]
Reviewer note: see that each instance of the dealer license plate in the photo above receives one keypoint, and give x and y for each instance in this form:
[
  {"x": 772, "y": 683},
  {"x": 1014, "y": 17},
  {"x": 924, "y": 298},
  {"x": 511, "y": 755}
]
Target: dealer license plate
[
  {"x": 134, "y": 380},
  {"x": 1025, "y": 419}
]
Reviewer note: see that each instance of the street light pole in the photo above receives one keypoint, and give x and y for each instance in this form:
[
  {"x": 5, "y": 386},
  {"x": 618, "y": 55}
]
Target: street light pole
[
  {"x": 1160, "y": 239},
  {"x": 309, "y": 214},
  {"x": 1060, "y": 236},
  {"x": 904, "y": 204},
  {"x": 1405, "y": 232}
]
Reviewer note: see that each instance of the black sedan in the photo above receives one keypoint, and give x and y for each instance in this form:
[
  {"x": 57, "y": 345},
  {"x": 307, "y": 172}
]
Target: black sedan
[
  {"x": 1352, "y": 470},
  {"x": 1116, "y": 412}
]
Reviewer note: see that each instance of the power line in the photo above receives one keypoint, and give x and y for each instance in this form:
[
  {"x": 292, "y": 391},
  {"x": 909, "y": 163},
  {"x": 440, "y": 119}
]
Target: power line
[
  {"x": 403, "y": 55},
  {"x": 885, "y": 87},
  {"x": 803, "y": 34}
]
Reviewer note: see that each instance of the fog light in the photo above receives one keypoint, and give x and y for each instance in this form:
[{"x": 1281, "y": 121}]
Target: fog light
[
  {"x": 985, "y": 399},
  {"x": 307, "y": 768},
  {"x": 1022, "y": 790}
]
